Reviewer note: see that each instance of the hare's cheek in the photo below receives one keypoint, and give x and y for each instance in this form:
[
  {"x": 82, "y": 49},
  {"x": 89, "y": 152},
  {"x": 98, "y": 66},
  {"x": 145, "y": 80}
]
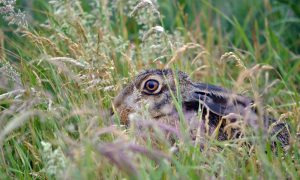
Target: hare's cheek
[{"x": 167, "y": 109}]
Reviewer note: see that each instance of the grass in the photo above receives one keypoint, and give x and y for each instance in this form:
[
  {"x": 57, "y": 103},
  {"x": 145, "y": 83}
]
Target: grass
[{"x": 75, "y": 56}]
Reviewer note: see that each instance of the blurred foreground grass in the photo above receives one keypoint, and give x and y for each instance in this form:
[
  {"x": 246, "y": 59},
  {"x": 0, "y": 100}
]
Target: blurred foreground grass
[{"x": 61, "y": 71}]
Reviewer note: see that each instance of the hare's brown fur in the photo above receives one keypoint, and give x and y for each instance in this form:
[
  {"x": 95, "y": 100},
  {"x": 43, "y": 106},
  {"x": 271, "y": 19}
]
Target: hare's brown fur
[{"x": 214, "y": 103}]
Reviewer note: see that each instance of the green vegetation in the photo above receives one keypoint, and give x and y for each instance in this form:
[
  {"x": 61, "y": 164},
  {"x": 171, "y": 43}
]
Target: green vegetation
[{"x": 61, "y": 70}]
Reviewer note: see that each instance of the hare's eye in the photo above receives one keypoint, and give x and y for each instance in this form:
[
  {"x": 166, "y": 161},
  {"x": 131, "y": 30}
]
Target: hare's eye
[{"x": 151, "y": 85}]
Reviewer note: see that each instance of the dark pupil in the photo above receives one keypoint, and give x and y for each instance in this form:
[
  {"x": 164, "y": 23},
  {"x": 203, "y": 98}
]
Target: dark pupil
[{"x": 151, "y": 85}]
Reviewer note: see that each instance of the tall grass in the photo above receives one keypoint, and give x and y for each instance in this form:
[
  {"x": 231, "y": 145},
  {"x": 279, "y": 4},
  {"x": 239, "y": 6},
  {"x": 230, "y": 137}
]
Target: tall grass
[{"x": 60, "y": 73}]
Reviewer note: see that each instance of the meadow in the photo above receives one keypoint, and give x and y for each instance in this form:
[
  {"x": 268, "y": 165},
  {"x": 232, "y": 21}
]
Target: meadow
[{"x": 63, "y": 61}]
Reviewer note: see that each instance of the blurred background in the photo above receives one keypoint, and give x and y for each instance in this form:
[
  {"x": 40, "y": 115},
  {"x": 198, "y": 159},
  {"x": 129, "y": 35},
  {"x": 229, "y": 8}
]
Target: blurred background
[
  {"x": 257, "y": 26},
  {"x": 282, "y": 16}
]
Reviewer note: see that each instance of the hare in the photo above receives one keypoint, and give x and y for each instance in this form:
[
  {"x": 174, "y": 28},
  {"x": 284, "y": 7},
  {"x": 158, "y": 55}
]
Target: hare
[{"x": 208, "y": 107}]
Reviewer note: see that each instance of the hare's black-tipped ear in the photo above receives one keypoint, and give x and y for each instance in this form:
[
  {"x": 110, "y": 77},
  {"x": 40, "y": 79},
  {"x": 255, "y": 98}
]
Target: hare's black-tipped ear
[{"x": 218, "y": 100}]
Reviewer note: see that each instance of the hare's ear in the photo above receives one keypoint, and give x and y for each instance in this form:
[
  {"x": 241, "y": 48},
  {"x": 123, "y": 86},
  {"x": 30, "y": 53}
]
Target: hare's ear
[{"x": 220, "y": 101}]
